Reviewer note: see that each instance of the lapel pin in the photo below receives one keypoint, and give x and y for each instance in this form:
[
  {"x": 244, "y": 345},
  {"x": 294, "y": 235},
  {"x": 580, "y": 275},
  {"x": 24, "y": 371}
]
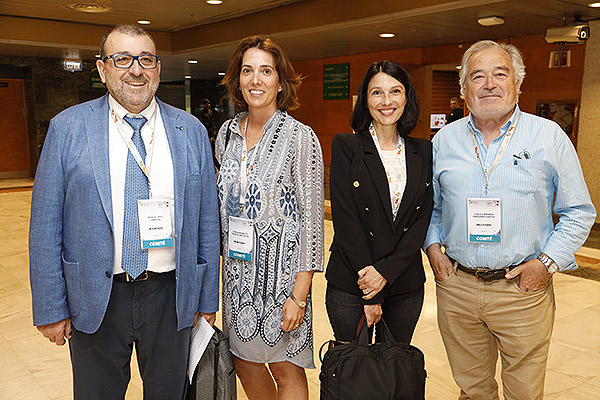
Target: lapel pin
[
  {"x": 179, "y": 127},
  {"x": 356, "y": 184}
]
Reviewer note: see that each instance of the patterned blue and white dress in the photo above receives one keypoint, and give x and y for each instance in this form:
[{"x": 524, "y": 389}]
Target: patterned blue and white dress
[{"x": 284, "y": 197}]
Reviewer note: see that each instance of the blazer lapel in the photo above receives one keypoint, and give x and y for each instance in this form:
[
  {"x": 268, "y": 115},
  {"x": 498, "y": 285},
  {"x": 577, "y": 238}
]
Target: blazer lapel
[
  {"x": 375, "y": 167},
  {"x": 177, "y": 138},
  {"x": 96, "y": 129},
  {"x": 414, "y": 169}
]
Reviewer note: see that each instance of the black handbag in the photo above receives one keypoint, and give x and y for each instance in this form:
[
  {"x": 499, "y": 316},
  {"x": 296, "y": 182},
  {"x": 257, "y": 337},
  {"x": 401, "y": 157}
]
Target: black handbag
[
  {"x": 214, "y": 378},
  {"x": 357, "y": 370}
]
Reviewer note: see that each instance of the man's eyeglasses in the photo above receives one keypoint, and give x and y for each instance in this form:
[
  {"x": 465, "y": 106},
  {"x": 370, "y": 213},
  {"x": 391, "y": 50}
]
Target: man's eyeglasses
[{"x": 146, "y": 61}]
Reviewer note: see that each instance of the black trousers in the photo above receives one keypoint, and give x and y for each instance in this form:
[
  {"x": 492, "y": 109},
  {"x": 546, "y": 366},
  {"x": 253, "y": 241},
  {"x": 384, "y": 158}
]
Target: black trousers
[
  {"x": 400, "y": 313},
  {"x": 140, "y": 314}
]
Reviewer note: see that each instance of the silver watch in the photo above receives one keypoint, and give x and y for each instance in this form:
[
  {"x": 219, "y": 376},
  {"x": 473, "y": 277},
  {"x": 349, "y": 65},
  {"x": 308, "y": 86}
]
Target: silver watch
[{"x": 550, "y": 265}]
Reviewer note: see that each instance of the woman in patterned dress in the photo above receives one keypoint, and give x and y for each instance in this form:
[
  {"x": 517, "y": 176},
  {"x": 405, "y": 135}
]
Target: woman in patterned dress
[{"x": 271, "y": 179}]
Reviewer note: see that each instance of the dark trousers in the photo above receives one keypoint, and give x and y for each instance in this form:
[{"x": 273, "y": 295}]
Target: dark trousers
[
  {"x": 141, "y": 314},
  {"x": 400, "y": 313}
]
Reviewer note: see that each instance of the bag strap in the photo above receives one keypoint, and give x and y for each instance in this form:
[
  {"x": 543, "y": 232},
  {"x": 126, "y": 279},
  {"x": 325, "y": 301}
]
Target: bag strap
[
  {"x": 227, "y": 137},
  {"x": 388, "y": 338}
]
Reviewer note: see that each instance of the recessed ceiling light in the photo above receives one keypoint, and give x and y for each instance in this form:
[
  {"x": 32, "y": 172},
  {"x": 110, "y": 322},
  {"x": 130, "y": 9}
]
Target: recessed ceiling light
[
  {"x": 193, "y": 61},
  {"x": 214, "y": 2},
  {"x": 143, "y": 22},
  {"x": 89, "y": 7},
  {"x": 595, "y": 5},
  {"x": 188, "y": 77},
  {"x": 221, "y": 73},
  {"x": 490, "y": 21},
  {"x": 386, "y": 35}
]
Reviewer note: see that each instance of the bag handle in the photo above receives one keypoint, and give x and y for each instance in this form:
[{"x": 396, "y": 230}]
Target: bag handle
[{"x": 362, "y": 332}]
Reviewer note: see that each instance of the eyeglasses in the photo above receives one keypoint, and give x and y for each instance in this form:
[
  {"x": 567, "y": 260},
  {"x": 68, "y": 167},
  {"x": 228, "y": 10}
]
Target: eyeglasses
[{"x": 124, "y": 61}]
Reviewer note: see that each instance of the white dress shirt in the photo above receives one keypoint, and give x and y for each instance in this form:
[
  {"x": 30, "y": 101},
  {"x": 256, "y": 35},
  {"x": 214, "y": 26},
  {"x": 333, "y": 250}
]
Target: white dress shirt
[{"x": 160, "y": 166}]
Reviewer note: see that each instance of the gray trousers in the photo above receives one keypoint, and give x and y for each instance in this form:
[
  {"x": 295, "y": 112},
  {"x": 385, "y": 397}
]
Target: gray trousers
[{"x": 140, "y": 314}]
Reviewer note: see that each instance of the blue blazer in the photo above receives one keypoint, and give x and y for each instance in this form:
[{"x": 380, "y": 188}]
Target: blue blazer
[{"x": 71, "y": 243}]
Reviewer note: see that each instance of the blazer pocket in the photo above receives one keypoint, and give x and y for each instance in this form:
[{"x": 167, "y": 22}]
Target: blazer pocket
[{"x": 71, "y": 271}]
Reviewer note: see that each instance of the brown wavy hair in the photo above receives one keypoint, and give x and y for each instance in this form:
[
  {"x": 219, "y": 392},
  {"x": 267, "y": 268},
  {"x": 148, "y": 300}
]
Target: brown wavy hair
[{"x": 289, "y": 80}]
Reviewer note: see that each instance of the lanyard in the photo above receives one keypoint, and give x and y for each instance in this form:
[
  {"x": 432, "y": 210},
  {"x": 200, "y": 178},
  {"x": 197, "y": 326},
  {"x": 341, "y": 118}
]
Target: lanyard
[
  {"x": 134, "y": 151},
  {"x": 501, "y": 152},
  {"x": 246, "y": 166},
  {"x": 388, "y": 172}
]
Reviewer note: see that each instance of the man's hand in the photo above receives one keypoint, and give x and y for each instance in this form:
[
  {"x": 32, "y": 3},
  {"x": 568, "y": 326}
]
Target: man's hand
[
  {"x": 209, "y": 317},
  {"x": 57, "y": 332},
  {"x": 440, "y": 263},
  {"x": 534, "y": 275},
  {"x": 370, "y": 282},
  {"x": 373, "y": 313}
]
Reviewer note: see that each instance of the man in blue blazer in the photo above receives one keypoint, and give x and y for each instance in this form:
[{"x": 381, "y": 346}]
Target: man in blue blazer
[{"x": 124, "y": 234}]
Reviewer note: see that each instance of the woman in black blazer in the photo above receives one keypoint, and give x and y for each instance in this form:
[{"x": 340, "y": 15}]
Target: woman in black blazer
[{"x": 381, "y": 202}]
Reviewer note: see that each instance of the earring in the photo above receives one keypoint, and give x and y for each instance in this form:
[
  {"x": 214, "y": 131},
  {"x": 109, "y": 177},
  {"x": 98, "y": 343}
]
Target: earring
[{"x": 280, "y": 89}]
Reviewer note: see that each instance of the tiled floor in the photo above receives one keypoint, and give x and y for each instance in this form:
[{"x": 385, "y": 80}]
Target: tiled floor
[{"x": 34, "y": 369}]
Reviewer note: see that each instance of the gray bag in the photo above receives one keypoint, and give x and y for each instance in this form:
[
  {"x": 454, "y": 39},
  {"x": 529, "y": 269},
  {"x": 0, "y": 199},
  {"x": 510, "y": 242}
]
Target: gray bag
[{"x": 214, "y": 378}]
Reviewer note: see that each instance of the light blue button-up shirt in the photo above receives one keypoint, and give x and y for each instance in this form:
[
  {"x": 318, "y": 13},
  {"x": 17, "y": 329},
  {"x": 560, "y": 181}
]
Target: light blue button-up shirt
[{"x": 540, "y": 161}]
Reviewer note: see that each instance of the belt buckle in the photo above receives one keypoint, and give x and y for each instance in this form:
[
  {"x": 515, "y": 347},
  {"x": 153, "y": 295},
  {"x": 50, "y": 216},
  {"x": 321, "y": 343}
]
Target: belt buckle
[
  {"x": 481, "y": 273},
  {"x": 142, "y": 277}
]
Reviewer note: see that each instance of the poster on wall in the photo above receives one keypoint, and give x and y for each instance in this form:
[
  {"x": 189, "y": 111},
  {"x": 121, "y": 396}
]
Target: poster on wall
[
  {"x": 336, "y": 81},
  {"x": 563, "y": 112}
]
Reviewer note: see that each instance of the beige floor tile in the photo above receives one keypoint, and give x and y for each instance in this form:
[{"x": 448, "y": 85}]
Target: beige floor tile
[
  {"x": 558, "y": 385},
  {"x": 17, "y": 327},
  {"x": 14, "y": 299},
  {"x": 22, "y": 390},
  {"x": 54, "y": 376}
]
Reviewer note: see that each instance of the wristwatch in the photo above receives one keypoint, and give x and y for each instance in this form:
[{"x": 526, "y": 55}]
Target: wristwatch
[
  {"x": 299, "y": 302},
  {"x": 550, "y": 265}
]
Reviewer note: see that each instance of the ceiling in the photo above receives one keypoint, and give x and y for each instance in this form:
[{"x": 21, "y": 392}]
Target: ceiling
[{"x": 192, "y": 29}]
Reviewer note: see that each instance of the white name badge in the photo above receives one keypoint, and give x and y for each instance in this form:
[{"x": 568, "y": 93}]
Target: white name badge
[
  {"x": 156, "y": 229},
  {"x": 241, "y": 236},
  {"x": 484, "y": 220}
]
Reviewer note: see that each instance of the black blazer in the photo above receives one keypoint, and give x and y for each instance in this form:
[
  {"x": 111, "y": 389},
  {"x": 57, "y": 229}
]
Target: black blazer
[{"x": 365, "y": 231}]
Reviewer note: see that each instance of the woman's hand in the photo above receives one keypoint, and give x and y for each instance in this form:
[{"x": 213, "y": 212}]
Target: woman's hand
[
  {"x": 292, "y": 315},
  {"x": 370, "y": 282},
  {"x": 292, "y": 312},
  {"x": 373, "y": 313}
]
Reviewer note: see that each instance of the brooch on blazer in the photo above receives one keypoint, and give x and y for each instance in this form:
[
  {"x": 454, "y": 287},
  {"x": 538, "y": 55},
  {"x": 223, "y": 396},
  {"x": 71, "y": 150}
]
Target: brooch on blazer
[{"x": 356, "y": 184}]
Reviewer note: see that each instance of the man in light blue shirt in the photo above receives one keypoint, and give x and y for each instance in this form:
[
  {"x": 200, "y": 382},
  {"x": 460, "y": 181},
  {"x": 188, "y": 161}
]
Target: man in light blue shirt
[{"x": 496, "y": 175}]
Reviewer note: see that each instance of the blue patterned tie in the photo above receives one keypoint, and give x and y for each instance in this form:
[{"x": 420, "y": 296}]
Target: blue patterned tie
[{"x": 134, "y": 260}]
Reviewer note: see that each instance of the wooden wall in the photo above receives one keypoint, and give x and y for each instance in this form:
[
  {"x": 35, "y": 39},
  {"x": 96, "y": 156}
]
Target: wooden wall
[{"x": 330, "y": 117}]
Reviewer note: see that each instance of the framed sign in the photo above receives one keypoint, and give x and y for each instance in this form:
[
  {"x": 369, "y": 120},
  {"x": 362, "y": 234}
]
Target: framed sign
[
  {"x": 336, "y": 81},
  {"x": 564, "y": 112}
]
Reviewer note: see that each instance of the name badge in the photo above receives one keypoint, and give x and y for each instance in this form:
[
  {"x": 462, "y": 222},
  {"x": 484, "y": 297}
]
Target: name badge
[
  {"x": 156, "y": 229},
  {"x": 241, "y": 237},
  {"x": 484, "y": 220}
]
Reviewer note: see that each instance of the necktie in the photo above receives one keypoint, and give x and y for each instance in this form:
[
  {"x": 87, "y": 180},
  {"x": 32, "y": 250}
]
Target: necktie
[{"x": 134, "y": 260}]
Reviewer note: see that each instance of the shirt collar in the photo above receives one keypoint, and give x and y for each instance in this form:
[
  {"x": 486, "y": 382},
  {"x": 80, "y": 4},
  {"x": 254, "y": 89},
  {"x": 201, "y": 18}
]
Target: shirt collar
[
  {"x": 149, "y": 112},
  {"x": 511, "y": 121}
]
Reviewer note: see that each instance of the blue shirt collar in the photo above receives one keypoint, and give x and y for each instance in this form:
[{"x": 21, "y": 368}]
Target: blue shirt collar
[{"x": 513, "y": 118}]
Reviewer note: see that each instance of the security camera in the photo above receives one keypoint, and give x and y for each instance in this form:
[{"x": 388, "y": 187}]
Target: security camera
[{"x": 568, "y": 34}]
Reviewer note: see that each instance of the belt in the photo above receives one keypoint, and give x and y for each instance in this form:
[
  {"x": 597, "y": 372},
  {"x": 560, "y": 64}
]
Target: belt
[
  {"x": 125, "y": 278},
  {"x": 486, "y": 274}
]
